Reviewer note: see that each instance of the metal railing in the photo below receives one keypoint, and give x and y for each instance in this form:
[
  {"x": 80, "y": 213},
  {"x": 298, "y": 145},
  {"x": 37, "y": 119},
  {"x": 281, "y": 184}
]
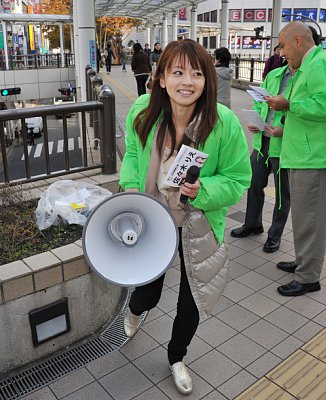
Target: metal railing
[
  {"x": 248, "y": 69},
  {"x": 36, "y": 61},
  {"x": 104, "y": 108}
]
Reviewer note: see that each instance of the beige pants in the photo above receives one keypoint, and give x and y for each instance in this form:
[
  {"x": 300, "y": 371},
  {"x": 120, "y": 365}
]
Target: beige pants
[{"x": 308, "y": 205}]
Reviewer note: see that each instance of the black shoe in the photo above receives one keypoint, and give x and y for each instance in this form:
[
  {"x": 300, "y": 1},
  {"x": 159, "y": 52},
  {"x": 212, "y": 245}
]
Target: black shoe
[
  {"x": 271, "y": 245},
  {"x": 243, "y": 231},
  {"x": 296, "y": 288},
  {"x": 287, "y": 266}
]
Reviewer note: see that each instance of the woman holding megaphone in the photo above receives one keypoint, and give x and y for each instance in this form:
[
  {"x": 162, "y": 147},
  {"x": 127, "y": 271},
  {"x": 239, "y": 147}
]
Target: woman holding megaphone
[{"x": 183, "y": 109}]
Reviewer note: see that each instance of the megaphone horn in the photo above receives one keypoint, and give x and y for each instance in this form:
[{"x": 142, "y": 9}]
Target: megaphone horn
[{"x": 130, "y": 239}]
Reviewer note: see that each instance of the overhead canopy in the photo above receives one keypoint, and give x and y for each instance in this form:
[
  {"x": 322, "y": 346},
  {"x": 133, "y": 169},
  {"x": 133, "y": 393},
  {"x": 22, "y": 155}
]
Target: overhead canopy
[{"x": 145, "y": 9}]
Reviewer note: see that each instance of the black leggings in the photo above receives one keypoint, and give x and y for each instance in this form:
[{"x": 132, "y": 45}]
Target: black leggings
[
  {"x": 185, "y": 324},
  {"x": 141, "y": 84}
]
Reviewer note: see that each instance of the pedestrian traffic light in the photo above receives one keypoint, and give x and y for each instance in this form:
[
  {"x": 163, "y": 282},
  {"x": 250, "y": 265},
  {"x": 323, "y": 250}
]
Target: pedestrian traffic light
[{"x": 10, "y": 91}]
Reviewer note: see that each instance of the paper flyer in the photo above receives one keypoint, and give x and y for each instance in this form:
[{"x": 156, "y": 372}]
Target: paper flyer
[
  {"x": 258, "y": 93},
  {"x": 260, "y": 90},
  {"x": 256, "y": 96},
  {"x": 186, "y": 157},
  {"x": 253, "y": 118}
]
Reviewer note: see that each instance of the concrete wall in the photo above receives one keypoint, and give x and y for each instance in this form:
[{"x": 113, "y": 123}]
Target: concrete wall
[
  {"x": 37, "y": 83},
  {"x": 92, "y": 303}
]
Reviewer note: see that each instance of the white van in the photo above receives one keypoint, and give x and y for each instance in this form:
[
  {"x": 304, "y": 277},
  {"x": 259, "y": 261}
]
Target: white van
[{"x": 36, "y": 123}]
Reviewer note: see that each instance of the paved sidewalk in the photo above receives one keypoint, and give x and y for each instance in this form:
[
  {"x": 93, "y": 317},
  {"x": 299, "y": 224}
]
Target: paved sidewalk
[{"x": 252, "y": 329}]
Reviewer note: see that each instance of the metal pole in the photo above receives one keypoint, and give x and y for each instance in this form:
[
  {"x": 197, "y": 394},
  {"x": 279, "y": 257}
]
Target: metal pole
[
  {"x": 89, "y": 74},
  {"x": 276, "y": 24},
  {"x": 174, "y": 26},
  {"x": 193, "y": 23},
  {"x": 108, "y": 131},
  {"x": 97, "y": 81},
  {"x": 86, "y": 28},
  {"x": 62, "y": 45},
  {"x": 164, "y": 31},
  {"x": 5, "y": 44},
  {"x": 224, "y": 23}
]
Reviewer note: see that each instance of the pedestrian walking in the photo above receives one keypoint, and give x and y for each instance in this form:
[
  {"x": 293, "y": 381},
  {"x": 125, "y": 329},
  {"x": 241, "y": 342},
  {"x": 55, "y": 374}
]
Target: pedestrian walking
[
  {"x": 124, "y": 58},
  {"x": 141, "y": 68},
  {"x": 108, "y": 58},
  {"x": 182, "y": 109}
]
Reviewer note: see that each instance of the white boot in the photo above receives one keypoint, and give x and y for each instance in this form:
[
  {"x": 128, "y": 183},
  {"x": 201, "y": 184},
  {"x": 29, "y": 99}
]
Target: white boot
[
  {"x": 130, "y": 323},
  {"x": 181, "y": 377}
]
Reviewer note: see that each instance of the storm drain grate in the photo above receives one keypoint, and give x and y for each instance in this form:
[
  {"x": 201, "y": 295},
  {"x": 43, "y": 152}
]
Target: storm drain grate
[{"x": 54, "y": 368}]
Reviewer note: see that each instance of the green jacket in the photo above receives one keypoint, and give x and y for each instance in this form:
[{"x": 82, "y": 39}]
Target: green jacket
[
  {"x": 272, "y": 83},
  {"x": 304, "y": 138},
  {"x": 224, "y": 177}
]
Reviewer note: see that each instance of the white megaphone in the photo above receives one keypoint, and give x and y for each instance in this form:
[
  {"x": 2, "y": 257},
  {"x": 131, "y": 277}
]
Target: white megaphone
[{"x": 130, "y": 239}]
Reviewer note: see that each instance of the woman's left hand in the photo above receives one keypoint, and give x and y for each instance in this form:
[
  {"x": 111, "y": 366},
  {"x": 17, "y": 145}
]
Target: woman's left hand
[{"x": 190, "y": 189}]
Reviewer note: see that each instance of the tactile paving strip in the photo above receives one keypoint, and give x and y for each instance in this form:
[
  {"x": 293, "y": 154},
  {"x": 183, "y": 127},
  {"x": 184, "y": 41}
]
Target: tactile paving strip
[{"x": 301, "y": 376}]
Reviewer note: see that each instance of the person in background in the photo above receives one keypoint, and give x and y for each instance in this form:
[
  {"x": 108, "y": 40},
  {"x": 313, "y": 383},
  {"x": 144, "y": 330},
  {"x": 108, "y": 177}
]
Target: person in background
[
  {"x": 224, "y": 76},
  {"x": 275, "y": 61},
  {"x": 182, "y": 109},
  {"x": 304, "y": 154},
  {"x": 124, "y": 58},
  {"x": 16, "y": 134},
  {"x": 264, "y": 161},
  {"x": 98, "y": 59},
  {"x": 147, "y": 50},
  {"x": 108, "y": 61},
  {"x": 141, "y": 68},
  {"x": 155, "y": 55}
]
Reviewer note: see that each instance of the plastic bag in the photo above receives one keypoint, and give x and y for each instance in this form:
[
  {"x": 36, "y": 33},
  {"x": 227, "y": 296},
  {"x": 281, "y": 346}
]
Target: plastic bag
[{"x": 71, "y": 200}]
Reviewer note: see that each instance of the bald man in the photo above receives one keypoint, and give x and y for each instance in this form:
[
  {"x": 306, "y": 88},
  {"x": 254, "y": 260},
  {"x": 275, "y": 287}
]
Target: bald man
[{"x": 303, "y": 153}]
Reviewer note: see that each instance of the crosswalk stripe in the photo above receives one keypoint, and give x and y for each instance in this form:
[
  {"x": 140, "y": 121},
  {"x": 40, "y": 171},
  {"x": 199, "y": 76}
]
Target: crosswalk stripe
[
  {"x": 39, "y": 147},
  {"x": 71, "y": 144},
  {"x": 38, "y": 150},
  {"x": 60, "y": 146},
  {"x": 29, "y": 149}
]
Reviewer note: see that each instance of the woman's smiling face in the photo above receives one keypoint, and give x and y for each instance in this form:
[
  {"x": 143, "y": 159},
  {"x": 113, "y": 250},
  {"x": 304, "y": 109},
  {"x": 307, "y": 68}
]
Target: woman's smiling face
[{"x": 183, "y": 83}]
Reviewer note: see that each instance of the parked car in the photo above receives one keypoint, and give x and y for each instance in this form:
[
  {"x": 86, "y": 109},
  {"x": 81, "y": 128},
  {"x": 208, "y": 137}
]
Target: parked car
[{"x": 36, "y": 123}]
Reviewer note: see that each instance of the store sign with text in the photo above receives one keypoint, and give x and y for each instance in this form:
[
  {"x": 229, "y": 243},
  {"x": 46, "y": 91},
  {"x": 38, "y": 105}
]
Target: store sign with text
[
  {"x": 306, "y": 12},
  {"x": 254, "y": 15},
  {"x": 235, "y": 15},
  {"x": 231, "y": 43},
  {"x": 249, "y": 43}
]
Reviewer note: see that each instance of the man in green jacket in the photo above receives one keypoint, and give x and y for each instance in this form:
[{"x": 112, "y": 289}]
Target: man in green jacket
[
  {"x": 264, "y": 160},
  {"x": 304, "y": 154}
]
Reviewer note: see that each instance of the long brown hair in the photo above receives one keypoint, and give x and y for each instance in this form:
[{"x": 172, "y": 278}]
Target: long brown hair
[{"x": 159, "y": 106}]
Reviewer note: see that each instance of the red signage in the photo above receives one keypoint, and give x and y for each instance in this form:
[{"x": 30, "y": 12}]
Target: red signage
[
  {"x": 248, "y": 15},
  {"x": 182, "y": 14},
  {"x": 231, "y": 43},
  {"x": 235, "y": 15},
  {"x": 260, "y": 15},
  {"x": 270, "y": 14}
]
